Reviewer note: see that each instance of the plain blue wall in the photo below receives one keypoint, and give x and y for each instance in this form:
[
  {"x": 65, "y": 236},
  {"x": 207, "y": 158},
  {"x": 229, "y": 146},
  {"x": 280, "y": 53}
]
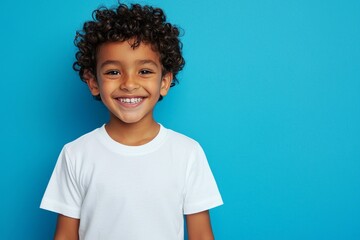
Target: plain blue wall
[{"x": 271, "y": 89}]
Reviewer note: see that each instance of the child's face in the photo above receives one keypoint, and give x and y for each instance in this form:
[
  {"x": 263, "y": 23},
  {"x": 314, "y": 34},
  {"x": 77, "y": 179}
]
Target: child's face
[{"x": 129, "y": 81}]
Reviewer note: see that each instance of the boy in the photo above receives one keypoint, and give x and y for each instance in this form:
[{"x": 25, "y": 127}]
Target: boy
[{"x": 132, "y": 178}]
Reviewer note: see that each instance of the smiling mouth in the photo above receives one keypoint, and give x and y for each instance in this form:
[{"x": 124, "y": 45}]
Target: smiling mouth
[{"x": 131, "y": 100}]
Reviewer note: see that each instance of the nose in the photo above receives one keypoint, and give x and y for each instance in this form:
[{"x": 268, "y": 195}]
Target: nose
[{"x": 129, "y": 83}]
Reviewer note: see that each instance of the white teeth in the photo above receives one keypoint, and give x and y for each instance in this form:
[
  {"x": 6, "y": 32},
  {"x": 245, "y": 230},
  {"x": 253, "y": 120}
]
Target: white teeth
[{"x": 130, "y": 100}]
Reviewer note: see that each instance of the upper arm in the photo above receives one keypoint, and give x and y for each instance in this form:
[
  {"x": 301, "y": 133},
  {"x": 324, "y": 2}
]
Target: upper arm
[
  {"x": 199, "y": 226},
  {"x": 67, "y": 228}
]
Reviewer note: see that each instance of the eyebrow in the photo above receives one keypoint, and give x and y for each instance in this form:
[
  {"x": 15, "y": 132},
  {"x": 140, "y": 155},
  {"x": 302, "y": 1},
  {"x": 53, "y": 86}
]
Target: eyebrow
[
  {"x": 137, "y": 62},
  {"x": 147, "y": 61},
  {"x": 109, "y": 62}
]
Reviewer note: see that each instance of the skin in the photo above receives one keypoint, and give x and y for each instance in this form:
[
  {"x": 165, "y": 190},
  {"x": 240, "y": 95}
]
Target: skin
[
  {"x": 123, "y": 75},
  {"x": 199, "y": 226},
  {"x": 67, "y": 228}
]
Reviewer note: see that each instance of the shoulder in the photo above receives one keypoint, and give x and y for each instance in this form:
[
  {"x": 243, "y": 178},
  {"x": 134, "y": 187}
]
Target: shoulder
[
  {"x": 84, "y": 142},
  {"x": 180, "y": 136},
  {"x": 182, "y": 141}
]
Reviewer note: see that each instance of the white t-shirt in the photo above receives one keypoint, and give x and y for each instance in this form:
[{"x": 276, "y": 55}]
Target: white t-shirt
[{"x": 131, "y": 192}]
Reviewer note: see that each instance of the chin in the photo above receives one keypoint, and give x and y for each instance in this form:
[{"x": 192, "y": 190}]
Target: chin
[{"x": 131, "y": 120}]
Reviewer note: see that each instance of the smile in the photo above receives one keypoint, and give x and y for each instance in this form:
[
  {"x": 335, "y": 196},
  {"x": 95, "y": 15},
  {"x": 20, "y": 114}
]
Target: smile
[{"x": 130, "y": 100}]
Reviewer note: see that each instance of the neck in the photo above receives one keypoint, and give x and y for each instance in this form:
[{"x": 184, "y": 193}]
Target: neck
[{"x": 132, "y": 134}]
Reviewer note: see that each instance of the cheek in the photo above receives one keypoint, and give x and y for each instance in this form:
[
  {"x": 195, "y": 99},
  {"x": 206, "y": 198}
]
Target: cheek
[{"x": 107, "y": 87}]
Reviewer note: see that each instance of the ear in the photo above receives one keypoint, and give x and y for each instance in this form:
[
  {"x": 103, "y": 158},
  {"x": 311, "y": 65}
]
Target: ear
[
  {"x": 166, "y": 83},
  {"x": 92, "y": 83}
]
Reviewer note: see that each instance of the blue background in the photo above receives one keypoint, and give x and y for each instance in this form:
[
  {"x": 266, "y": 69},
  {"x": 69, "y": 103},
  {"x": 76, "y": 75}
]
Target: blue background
[{"x": 271, "y": 90}]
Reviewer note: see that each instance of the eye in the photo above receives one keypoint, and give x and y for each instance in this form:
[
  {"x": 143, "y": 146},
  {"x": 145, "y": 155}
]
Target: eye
[
  {"x": 112, "y": 72},
  {"x": 145, "y": 72}
]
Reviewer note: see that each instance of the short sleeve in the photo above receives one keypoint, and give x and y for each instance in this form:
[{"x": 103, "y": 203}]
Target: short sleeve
[
  {"x": 201, "y": 191},
  {"x": 63, "y": 193}
]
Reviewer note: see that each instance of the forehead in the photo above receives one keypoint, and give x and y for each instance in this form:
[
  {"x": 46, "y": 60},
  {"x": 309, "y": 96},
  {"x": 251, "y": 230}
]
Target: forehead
[{"x": 125, "y": 52}]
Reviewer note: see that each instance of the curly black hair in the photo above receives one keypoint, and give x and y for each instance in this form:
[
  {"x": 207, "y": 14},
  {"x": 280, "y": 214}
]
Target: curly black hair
[{"x": 141, "y": 23}]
